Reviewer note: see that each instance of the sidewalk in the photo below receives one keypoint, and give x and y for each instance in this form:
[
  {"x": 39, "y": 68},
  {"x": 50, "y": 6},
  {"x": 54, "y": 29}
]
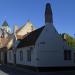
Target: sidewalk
[{"x": 19, "y": 68}]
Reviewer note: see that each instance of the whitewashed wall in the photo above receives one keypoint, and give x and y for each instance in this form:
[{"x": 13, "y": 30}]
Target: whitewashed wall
[
  {"x": 18, "y": 56},
  {"x": 50, "y": 48},
  {"x": 11, "y": 55},
  {"x": 25, "y": 62}
]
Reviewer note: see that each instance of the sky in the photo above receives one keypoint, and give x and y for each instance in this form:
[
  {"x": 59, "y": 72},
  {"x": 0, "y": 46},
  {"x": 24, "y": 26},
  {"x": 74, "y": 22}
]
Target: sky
[{"x": 17, "y": 12}]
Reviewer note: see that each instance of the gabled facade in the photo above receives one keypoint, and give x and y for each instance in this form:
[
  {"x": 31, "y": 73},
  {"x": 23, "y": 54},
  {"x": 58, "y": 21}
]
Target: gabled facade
[
  {"x": 43, "y": 47},
  {"x": 20, "y": 33},
  {"x": 7, "y": 39},
  {"x": 25, "y": 29},
  {"x": 4, "y": 34},
  {"x": 27, "y": 41}
]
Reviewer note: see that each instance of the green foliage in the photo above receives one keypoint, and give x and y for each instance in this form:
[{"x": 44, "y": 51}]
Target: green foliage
[{"x": 70, "y": 40}]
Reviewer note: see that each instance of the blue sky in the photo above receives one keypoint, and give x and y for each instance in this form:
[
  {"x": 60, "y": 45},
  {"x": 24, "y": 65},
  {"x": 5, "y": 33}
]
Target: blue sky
[{"x": 19, "y": 11}]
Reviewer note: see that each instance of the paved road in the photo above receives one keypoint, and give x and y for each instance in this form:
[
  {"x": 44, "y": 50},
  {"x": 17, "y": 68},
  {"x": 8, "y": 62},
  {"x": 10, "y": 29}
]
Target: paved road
[{"x": 6, "y": 70}]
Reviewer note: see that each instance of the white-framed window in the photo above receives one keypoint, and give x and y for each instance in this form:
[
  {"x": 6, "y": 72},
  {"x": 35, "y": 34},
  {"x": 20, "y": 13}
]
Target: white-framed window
[
  {"x": 21, "y": 55},
  {"x": 67, "y": 55},
  {"x": 29, "y": 55}
]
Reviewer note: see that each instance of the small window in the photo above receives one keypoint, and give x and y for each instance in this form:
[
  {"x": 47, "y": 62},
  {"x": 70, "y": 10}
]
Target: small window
[
  {"x": 67, "y": 55},
  {"x": 42, "y": 42},
  {"x": 28, "y": 55},
  {"x": 21, "y": 56}
]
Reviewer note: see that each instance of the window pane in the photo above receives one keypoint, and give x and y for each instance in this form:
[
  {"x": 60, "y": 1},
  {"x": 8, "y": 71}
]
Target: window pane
[
  {"x": 69, "y": 55},
  {"x": 29, "y": 55},
  {"x": 65, "y": 55},
  {"x": 21, "y": 56}
]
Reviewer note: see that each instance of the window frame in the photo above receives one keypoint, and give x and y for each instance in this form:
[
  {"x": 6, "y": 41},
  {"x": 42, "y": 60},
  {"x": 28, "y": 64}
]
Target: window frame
[
  {"x": 29, "y": 55},
  {"x": 67, "y": 55},
  {"x": 21, "y": 55}
]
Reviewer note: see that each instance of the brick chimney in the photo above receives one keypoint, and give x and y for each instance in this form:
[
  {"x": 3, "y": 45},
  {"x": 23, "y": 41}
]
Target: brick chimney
[{"x": 48, "y": 14}]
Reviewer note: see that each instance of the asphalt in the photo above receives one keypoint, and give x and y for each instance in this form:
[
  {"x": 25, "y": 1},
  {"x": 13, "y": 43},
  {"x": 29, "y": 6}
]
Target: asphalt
[{"x": 13, "y": 70}]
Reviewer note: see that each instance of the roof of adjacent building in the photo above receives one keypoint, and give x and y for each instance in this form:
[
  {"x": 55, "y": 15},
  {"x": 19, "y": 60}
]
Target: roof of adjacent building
[
  {"x": 31, "y": 38},
  {"x": 5, "y": 23},
  {"x": 19, "y": 37},
  {"x": 24, "y": 26}
]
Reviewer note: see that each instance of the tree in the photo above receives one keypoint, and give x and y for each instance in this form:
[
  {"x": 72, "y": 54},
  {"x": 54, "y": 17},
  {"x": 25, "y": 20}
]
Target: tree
[{"x": 69, "y": 40}]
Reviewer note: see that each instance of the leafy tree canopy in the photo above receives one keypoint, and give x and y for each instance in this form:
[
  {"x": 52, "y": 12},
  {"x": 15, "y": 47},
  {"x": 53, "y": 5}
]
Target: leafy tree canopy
[{"x": 69, "y": 39}]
